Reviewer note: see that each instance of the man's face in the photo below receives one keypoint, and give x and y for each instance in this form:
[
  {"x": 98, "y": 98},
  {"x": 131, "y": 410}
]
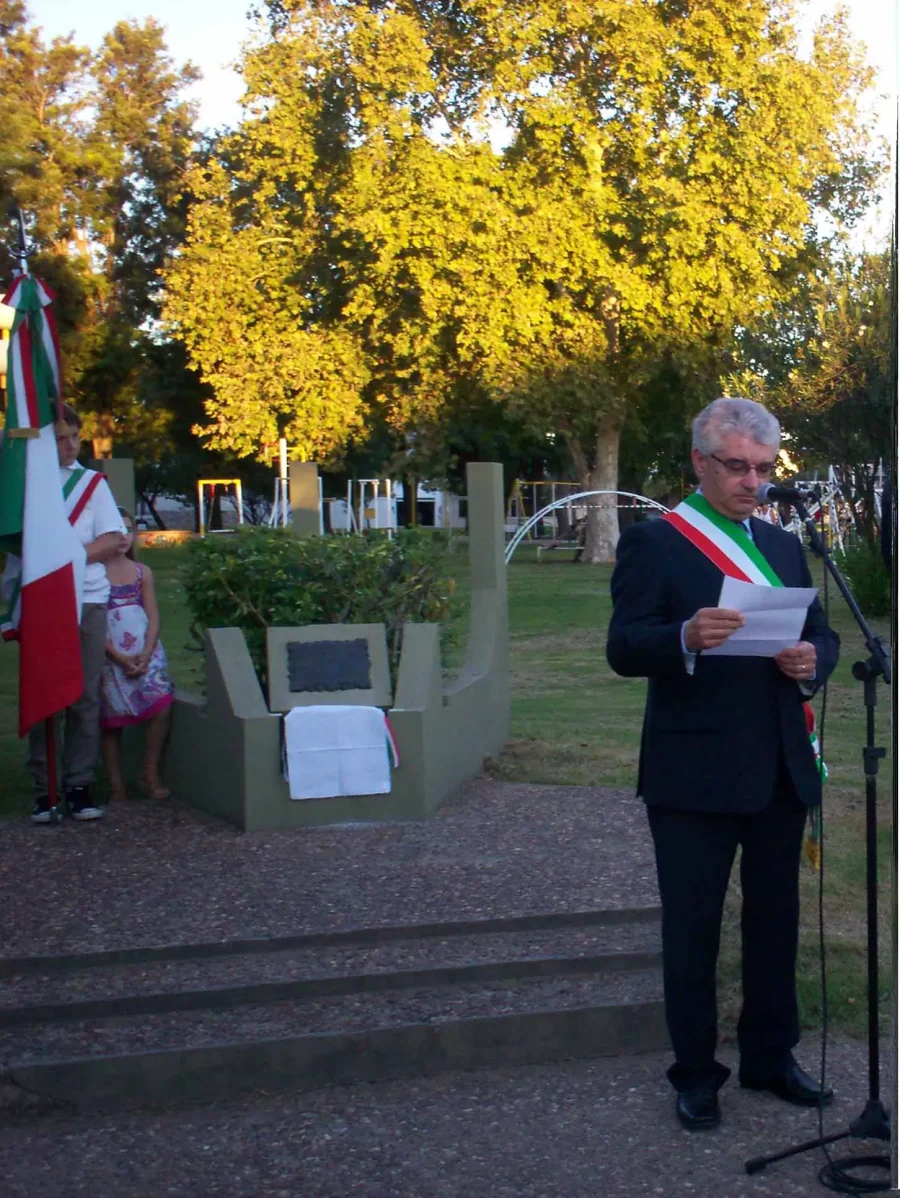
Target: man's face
[
  {"x": 730, "y": 477},
  {"x": 68, "y": 443}
]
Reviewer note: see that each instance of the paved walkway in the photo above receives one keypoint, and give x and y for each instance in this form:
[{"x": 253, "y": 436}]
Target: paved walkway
[
  {"x": 159, "y": 873},
  {"x": 156, "y": 874},
  {"x": 574, "y": 1130}
]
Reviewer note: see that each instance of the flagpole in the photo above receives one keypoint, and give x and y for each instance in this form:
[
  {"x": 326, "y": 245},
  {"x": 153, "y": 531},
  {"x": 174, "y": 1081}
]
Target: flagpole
[
  {"x": 52, "y": 783},
  {"x": 21, "y": 254},
  {"x": 24, "y": 250}
]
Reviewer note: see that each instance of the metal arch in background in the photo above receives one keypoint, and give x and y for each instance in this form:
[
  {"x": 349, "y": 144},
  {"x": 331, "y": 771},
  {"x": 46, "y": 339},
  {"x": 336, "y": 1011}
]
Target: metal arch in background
[{"x": 529, "y": 524}]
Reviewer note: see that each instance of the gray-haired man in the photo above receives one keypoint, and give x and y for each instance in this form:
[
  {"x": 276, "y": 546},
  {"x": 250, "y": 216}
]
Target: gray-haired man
[{"x": 726, "y": 758}]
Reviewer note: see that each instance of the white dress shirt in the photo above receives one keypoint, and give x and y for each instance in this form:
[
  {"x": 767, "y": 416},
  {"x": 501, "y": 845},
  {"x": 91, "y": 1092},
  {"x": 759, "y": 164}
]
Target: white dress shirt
[{"x": 100, "y": 515}]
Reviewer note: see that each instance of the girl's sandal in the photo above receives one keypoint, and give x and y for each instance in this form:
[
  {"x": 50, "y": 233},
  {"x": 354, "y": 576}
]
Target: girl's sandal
[
  {"x": 153, "y": 790},
  {"x": 118, "y": 796}
]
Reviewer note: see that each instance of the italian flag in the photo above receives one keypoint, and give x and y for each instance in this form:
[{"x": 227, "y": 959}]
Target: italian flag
[{"x": 42, "y": 579}]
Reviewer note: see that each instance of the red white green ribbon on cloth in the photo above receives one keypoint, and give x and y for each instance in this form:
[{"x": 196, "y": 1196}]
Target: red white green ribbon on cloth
[{"x": 729, "y": 546}]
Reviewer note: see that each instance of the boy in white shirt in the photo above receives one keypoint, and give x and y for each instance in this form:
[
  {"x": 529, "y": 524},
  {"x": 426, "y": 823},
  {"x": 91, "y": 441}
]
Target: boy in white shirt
[{"x": 98, "y": 525}]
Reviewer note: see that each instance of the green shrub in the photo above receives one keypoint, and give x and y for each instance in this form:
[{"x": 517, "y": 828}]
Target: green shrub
[
  {"x": 259, "y": 577},
  {"x": 868, "y": 578}
]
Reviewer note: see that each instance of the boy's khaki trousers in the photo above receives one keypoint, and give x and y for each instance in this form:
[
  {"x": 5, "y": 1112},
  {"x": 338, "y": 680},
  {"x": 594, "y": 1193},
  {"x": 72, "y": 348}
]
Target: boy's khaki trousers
[{"x": 79, "y": 725}]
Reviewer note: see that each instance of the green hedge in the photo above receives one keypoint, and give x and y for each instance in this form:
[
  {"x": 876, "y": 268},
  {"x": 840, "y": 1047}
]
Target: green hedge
[
  {"x": 867, "y": 576},
  {"x": 259, "y": 577}
]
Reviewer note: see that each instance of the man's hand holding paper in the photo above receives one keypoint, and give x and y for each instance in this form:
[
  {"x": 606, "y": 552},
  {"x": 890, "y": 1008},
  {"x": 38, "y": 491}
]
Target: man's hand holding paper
[
  {"x": 798, "y": 662},
  {"x": 773, "y": 619},
  {"x": 710, "y": 627}
]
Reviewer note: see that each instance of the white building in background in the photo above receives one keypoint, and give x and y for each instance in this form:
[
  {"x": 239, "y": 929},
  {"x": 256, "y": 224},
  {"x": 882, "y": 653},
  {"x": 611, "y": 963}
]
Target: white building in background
[
  {"x": 374, "y": 503},
  {"x": 440, "y": 509}
]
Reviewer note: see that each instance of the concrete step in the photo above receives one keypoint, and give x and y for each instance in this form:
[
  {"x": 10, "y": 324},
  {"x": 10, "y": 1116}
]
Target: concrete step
[
  {"x": 375, "y": 934},
  {"x": 414, "y": 1001},
  {"x": 95, "y": 990}
]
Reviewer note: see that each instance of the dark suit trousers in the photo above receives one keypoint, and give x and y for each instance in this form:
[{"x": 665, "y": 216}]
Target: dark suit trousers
[{"x": 694, "y": 855}]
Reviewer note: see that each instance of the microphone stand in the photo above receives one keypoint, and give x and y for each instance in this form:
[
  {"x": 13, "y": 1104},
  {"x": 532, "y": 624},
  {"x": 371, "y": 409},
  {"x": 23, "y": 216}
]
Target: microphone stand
[{"x": 874, "y": 1122}]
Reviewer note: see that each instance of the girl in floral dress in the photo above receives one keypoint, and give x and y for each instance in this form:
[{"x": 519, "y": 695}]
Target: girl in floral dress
[{"x": 135, "y": 687}]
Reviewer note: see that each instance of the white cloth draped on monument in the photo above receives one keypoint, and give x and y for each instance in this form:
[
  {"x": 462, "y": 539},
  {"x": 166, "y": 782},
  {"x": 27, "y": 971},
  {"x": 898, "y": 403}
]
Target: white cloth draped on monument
[{"x": 332, "y": 751}]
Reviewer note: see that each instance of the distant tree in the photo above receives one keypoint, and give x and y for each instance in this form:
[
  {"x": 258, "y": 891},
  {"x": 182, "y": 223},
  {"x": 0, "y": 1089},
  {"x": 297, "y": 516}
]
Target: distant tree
[
  {"x": 94, "y": 150},
  {"x": 838, "y": 401},
  {"x": 44, "y": 103}
]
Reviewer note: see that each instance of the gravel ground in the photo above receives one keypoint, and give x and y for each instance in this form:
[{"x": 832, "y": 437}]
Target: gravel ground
[
  {"x": 251, "y": 968},
  {"x": 575, "y": 1130},
  {"x": 354, "y": 1013},
  {"x": 158, "y": 873}
]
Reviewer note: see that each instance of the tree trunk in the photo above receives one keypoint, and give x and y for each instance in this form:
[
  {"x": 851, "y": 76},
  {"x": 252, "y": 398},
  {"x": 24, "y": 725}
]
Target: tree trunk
[
  {"x": 151, "y": 506},
  {"x": 411, "y": 492},
  {"x": 104, "y": 436},
  {"x": 601, "y": 474},
  {"x": 215, "y": 511}
]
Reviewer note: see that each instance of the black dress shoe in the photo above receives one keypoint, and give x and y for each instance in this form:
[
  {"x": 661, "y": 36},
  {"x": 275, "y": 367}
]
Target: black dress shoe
[
  {"x": 793, "y": 1085},
  {"x": 698, "y": 1107}
]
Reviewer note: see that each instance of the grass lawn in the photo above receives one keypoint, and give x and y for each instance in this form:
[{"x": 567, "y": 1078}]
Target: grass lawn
[{"x": 575, "y": 722}]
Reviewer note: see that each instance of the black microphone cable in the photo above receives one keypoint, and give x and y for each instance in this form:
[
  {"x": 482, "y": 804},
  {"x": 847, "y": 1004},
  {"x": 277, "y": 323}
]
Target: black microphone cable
[{"x": 835, "y": 1175}]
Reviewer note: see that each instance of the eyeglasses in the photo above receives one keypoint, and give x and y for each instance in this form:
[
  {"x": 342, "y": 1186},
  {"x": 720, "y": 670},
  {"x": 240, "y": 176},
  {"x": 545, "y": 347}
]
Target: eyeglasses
[{"x": 740, "y": 469}]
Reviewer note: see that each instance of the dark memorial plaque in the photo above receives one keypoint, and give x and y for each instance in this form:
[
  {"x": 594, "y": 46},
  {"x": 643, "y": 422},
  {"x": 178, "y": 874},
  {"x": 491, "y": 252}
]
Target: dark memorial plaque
[
  {"x": 328, "y": 663},
  {"x": 316, "y": 666}
]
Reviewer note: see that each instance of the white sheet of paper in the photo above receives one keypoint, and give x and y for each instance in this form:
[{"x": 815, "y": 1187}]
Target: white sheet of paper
[{"x": 773, "y": 618}]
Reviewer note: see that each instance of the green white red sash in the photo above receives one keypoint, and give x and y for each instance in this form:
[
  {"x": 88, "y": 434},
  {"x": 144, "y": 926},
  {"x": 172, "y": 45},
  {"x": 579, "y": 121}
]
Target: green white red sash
[
  {"x": 727, "y": 545},
  {"x": 78, "y": 489},
  {"x": 730, "y": 547}
]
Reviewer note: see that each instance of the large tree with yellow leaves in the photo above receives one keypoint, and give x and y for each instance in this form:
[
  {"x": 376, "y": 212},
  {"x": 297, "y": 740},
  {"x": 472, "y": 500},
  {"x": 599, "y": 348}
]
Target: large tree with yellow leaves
[{"x": 546, "y": 201}]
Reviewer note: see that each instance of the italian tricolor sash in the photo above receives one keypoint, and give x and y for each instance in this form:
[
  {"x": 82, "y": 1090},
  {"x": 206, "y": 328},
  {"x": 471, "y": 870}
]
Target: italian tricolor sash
[
  {"x": 78, "y": 489},
  {"x": 727, "y": 545},
  {"x": 730, "y": 547}
]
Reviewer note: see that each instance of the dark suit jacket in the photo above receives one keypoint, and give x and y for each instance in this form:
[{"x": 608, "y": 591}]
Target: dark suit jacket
[{"x": 712, "y": 740}]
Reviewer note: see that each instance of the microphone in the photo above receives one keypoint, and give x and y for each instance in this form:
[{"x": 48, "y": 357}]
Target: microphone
[{"x": 769, "y": 493}]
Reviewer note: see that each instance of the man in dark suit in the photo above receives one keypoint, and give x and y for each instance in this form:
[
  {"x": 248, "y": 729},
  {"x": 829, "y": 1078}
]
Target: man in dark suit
[{"x": 726, "y": 760}]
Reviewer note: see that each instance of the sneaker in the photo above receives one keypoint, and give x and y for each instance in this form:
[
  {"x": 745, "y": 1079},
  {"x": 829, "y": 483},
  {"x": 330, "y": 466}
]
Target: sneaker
[
  {"x": 80, "y": 805},
  {"x": 42, "y": 813}
]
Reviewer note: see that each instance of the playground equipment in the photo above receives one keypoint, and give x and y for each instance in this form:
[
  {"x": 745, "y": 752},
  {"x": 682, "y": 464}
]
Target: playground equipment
[
  {"x": 202, "y": 485},
  {"x": 528, "y": 496},
  {"x": 280, "y": 515},
  {"x": 834, "y": 506},
  {"x": 546, "y": 510},
  {"x": 637, "y": 501},
  {"x": 371, "y": 504}
]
